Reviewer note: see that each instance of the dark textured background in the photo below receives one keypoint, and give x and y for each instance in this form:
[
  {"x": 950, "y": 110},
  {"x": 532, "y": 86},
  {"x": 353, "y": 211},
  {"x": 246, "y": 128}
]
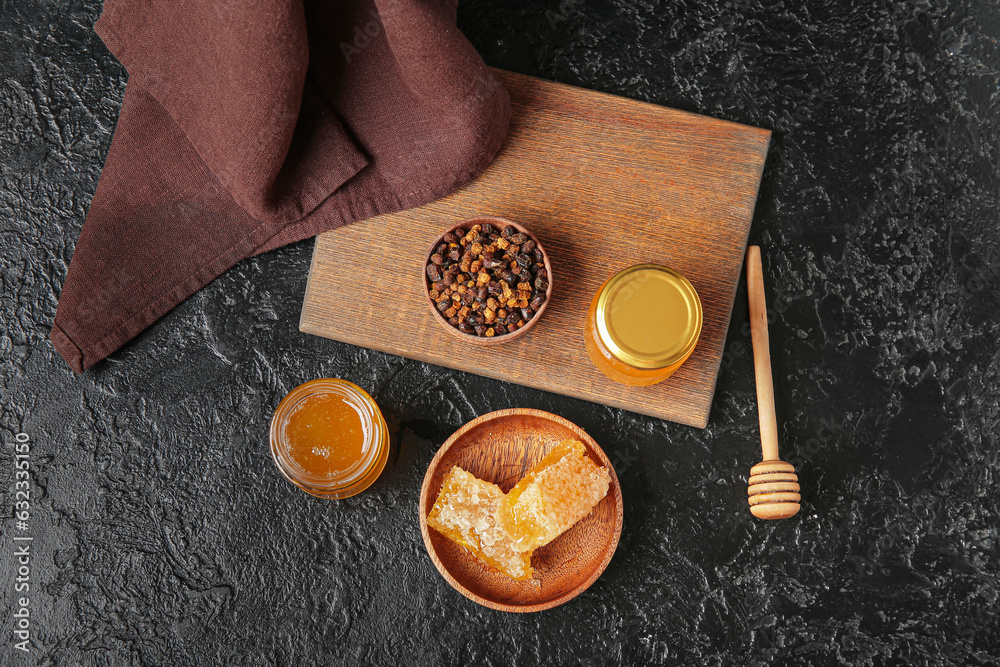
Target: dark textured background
[{"x": 165, "y": 536}]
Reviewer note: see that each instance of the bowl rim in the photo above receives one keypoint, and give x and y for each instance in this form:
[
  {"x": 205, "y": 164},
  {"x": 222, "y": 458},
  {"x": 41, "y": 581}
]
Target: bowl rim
[
  {"x": 471, "y": 338},
  {"x": 425, "y": 492}
]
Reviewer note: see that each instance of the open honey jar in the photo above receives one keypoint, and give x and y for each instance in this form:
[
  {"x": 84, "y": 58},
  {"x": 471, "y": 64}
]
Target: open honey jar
[
  {"x": 643, "y": 323},
  {"x": 328, "y": 438}
]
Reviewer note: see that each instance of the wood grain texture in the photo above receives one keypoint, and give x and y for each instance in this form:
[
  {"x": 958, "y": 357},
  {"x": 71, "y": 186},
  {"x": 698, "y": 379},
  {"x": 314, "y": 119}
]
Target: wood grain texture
[
  {"x": 603, "y": 182},
  {"x": 501, "y": 447}
]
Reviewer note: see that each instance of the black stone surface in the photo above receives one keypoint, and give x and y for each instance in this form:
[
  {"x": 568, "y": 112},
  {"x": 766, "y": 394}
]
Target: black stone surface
[{"x": 163, "y": 534}]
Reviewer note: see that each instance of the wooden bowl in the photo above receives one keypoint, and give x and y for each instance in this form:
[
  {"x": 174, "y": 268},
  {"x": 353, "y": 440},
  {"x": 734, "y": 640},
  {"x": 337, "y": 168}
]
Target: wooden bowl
[
  {"x": 472, "y": 338},
  {"x": 500, "y": 447}
]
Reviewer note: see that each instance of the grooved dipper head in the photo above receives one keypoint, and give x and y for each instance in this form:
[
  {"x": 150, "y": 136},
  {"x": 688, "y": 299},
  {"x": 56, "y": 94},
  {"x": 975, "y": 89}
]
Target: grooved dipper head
[{"x": 773, "y": 491}]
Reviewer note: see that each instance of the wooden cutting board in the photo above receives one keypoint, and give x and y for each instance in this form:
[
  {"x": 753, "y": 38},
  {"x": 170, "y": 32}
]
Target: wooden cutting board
[{"x": 603, "y": 182}]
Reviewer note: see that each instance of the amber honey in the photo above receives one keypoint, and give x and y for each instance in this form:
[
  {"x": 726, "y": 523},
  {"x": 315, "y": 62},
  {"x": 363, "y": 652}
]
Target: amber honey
[
  {"x": 557, "y": 492},
  {"x": 466, "y": 513},
  {"x": 328, "y": 437},
  {"x": 502, "y": 530}
]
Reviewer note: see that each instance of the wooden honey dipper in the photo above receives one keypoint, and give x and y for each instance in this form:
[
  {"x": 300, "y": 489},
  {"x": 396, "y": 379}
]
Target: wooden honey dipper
[{"x": 774, "y": 488}]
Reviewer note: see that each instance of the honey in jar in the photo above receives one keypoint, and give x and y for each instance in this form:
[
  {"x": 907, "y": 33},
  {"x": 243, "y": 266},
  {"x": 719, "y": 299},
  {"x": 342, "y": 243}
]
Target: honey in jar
[
  {"x": 643, "y": 324},
  {"x": 328, "y": 437}
]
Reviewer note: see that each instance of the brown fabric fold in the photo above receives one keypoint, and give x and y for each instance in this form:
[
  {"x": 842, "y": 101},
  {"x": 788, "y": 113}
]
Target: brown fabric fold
[{"x": 246, "y": 126}]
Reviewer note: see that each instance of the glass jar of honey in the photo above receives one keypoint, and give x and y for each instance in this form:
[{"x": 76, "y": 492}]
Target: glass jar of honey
[
  {"x": 328, "y": 438},
  {"x": 643, "y": 323}
]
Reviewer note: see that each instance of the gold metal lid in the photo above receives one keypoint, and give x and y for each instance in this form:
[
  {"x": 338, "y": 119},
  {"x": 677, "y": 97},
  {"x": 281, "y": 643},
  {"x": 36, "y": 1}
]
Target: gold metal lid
[{"x": 649, "y": 316}]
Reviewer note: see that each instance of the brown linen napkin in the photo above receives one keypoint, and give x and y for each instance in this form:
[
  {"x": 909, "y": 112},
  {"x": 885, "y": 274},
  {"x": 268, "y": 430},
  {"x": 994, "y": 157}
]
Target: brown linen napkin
[{"x": 249, "y": 125}]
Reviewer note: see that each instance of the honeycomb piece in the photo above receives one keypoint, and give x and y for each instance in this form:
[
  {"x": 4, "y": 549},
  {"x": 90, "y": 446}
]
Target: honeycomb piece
[
  {"x": 465, "y": 513},
  {"x": 557, "y": 492}
]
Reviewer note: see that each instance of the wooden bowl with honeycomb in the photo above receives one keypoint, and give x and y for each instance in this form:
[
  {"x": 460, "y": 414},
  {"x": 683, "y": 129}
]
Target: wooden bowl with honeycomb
[
  {"x": 500, "y": 448},
  {"x": 540, "y": 262}
]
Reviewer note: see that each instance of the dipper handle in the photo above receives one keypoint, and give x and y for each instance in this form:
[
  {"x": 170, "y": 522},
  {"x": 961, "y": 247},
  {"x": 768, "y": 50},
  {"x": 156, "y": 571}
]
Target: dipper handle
[{"x": 761, "y": 355}]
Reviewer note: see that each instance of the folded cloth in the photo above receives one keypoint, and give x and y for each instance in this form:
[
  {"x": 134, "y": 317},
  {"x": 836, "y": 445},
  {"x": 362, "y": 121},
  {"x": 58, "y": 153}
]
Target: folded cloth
[{"x": 249, "y": 125}]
